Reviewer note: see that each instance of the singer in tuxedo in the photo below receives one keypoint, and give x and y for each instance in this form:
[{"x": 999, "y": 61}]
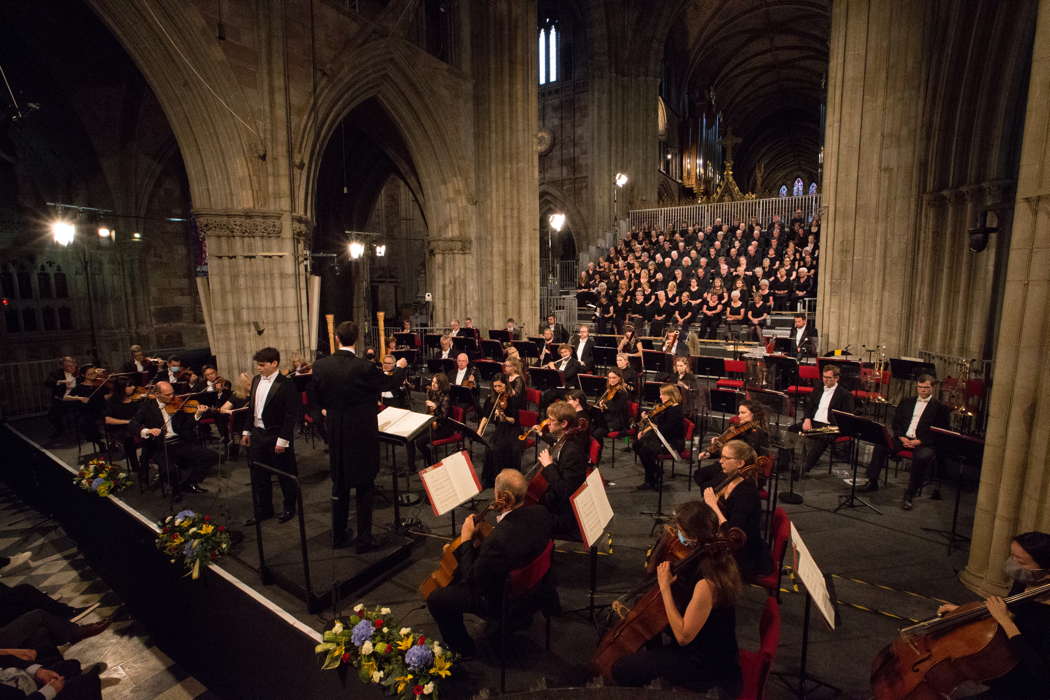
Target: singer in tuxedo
[
  {"x": 274, "y": 406},
  {"x": 348, "y": 388}
]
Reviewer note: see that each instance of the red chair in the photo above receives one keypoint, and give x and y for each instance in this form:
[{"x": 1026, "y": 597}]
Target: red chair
[
  {"x": 896, "y": 457},
  {"x": 865, "y": 377},
  {"x": 808, "y": 373},
  {"x": 523, "y": 594},
  {"x": 687, "y": 453},
  {"x": 455, "y": 438},
  {"x": 755, "y": 666},
  {"x": 533, "y": 396},
  {"x": 594, "y": 454},
  {"x": 781, "y": 535},
  {"x": 733, "y": 370},
  {"x": 634, "y": 409}
]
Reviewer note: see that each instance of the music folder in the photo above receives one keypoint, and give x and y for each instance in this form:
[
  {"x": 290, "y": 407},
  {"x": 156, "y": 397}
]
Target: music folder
[
  {"x": 590, "y": 505},
  {"x": 450, "y": 483},
  {"x": 402, "y": 423},
  {"x": 544, "y": 379},
  {"x": 435, "y": 365}
]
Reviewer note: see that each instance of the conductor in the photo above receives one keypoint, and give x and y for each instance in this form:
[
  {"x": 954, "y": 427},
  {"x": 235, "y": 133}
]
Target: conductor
[{"x": 348, "y": 389}]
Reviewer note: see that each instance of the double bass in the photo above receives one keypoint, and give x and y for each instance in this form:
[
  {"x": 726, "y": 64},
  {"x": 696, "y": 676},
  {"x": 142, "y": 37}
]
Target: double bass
[{"x": 934, "y": 657}]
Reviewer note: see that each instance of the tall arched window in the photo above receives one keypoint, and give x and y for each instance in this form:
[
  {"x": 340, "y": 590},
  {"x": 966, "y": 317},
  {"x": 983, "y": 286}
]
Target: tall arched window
[
  {"x": 548, "y": 52},
  {"x": 812, "y": 188},
  {"x": 783, "y": 190},
  {"x": 799, "y": 189}
]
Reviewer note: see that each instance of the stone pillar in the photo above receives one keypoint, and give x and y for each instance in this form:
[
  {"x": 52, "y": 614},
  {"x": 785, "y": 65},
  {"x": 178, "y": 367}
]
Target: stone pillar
[
  {"x": 875, "y": 99},
  {"x": 1015, "y": 479},
  {"x": 255, "y": 275},
  {"x": 503, "y": 277}
]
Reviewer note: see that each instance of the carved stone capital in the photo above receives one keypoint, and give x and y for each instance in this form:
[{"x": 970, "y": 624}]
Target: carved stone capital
[
  {"x": 302, "y": 228},
  {"x": 998, "y": 194},
  {"x": 220, "y": 223},
  {"x": 449, "y": 246},
  {"x": 935, "y": 199}
]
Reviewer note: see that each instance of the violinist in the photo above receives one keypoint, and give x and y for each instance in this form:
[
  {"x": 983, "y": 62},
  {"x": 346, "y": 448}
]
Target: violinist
[
  {"x": 91, "y": 395},
  {"x": 699, "y": 601},
  {"x": 142, "y": 367},
  {"x": 233, "y": 411},
  {"x": 1026, "y": 624},
  {"x": 609, "y": 413},
  {"x": 630, "y": 376},
  {"x": 751, "y": 418},
  {"x": 564, "y": 465},
  {"x": 521, "y": 534},
  {"x": 629, "y": 344},
  {"x": 578, "y": 400},
  {"x": 120, "y": 410},
  {"x": 175, "y": 375},
  {"x": 667, "y": 418},
  {"x": 169, "y": 434},
  {"x": 687, "y": 383},
  {"x": 60, "y": 382},
  {"x": 438, "y": 406},
  {"x": 512, "y": 374},
  {"x": 504, "y": 447},
  {"x": 398, "y": 397},
  {"x": 737, "y": 503}
]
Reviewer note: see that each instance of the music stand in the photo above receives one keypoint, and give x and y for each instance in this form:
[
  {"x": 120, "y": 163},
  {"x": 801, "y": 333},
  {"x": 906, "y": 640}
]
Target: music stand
[
  {"x": 784, "y": 371},
  {"x": 655, "y": 361},
  {"x": 526, "y": 348},
  {"x": 849, "y": 371},
  {"x": 408, "y": 339},
  {"x": 536, "y": 340},
  {"x": 909, "y": 370},
  {"x": 435, "y": 365},
  {"x": 463, "y": 343},
  {"x": 968, "y": 450},
  {"x": 604, "y": 356},
  {"x": 709, "y": 367},
  {"x": 463, "y": 396},
  {"x": 867, "y": 430},
  {"x": 502, "y": 336},
  {"x": 651, "y": 392},
  {"x": 775, "y": 402},
  {"x": 488, "y": 368},
  {"x": 432, "y": 341},
  {"x": 544, "y": 379},
  {"x": 492, "y": 349},
  {"x": 409, "y": 356},
  {"x": 725, "y": 401},
  {"x": 592, "y": 384}
]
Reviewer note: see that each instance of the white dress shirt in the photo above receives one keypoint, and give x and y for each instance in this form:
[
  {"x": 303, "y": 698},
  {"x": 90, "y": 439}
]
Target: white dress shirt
[
  {"x": 561, "y": 365},
  {"x": 798, "y": 336},
  {"x": 916, "y": 416},
  {"x": 821, "y": 416},
  {"x": 579, "y": 351},
  {"x": 461, "y": 375},
  {"x": 261, "y": 392},
  {"x": 71, "y": 381},
  {"x": 168, "y": 431},
  {"x": 139, "y": 367}
]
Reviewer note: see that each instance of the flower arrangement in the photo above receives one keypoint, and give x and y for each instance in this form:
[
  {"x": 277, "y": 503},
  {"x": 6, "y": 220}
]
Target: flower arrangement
[
  {"x": 102, "y": 478},
  {"x": 194, "y": 538},
  {"x": 405, "y": 664}
]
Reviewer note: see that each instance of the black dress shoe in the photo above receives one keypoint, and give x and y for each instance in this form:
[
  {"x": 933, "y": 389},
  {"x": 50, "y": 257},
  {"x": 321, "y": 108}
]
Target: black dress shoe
[
  {"x": 285, "y": 516},
  {"x": 870, "y": 487},
  {"x": 251, "y": 521},
  {"x": 196, "y": 488},
  {"x": 366, "y": 543}
]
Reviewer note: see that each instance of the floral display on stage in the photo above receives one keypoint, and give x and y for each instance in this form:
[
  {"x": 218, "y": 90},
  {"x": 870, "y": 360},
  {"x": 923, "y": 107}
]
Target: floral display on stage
[
  {"x": 405, "y": 664},
  {"x": 194, "y": 539},
  {"x": 102, "y": 478}
]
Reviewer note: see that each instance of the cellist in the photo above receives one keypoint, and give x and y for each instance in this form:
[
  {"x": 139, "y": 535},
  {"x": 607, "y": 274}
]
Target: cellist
[
  {"x": 521, "y": 533},
  {"x": 1026, "y": 625},
  {"x": 701, "y": 614}
]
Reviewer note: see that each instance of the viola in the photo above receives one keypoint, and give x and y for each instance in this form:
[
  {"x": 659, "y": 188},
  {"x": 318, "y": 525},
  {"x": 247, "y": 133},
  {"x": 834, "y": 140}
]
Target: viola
[
  {"x": 538, "y": 429},
  {"x": 748, "y": 471},
  {"x": 731, "y": 433}
]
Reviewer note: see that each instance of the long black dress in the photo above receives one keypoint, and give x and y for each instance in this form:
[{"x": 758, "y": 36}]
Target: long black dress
[
  {"x": 742, "y": 509},
  {"x": 504, "y": 450}
]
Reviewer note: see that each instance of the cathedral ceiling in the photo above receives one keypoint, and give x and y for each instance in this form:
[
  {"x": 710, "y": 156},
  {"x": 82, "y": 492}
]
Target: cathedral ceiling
[{"x": 763, "y": 62}]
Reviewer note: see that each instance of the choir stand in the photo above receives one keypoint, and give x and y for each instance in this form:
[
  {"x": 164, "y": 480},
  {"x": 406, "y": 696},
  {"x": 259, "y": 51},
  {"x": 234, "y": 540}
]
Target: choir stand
[
  {"x": 858, "y": 428},
  {"x": 968, "y": 450}
]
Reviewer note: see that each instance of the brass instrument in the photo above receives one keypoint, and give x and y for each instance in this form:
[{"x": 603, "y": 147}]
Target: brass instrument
[
  {"x": 873, "y": 382},
  {"x": 962, "y": 417}
]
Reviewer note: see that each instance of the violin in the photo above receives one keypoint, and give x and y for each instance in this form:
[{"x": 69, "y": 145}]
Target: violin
[
  {"x": 183, "y": 404},
  {"x": 539, "y": 428},
  {"x": 498, "y": 406},
  {"x": 748, "y": 471},
  {"x": 608, "y": 396},
  {"x": 538, "y": 484},
  {"x": 731, "y": 433},
  {"x": 445, "y": 573},
  {"x": 934, "y": 657},
  {"x": 655, "y": 412}
]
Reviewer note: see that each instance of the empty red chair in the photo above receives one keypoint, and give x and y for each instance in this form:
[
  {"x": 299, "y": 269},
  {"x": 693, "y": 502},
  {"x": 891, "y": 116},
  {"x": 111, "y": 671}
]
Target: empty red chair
[
  {"x": 755, "y": 666},
  {"x": 735, "y": 370},
  {"x": 781, "y": 535},
  {"x": 806, "y": 373},
  {"x": 633, "y": 411}
]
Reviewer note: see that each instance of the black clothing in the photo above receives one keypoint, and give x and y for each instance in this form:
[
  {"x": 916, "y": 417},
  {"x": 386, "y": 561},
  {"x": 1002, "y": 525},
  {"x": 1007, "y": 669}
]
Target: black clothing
[
  {"x": 439, "y": 426},
  {"x": 660, "y": 315},
  {"x": 564, "y": 476},
  {"x": 140, "y": 378},
  {"x": 743, "y": 509},
  {"x": 504, "y": 450},
  {"x": 808, "y": 345},
  {"x": 77, "y": 685},
  {"x": 561, "y": 335},
  {"x": 710, "y": 319},
  {"x": 648, "y": 447},
  {"x": 1032, "y": 649},
  {"x": 586, "y": 358},
  {"x": 18, "y": 600},
  {"x": 612, "y": 419},
  {"x": 841, "y": 400},
  {"x": 280, "y": 414},
  {"x": 348, "y": 388},
  {"x": 181, "y": 453},
  {"x": 757, "y": 313},
  {"x": 516, "y": 541},
  {"x": 89, "y": 415},
  {"x": 924, "y": 457}
]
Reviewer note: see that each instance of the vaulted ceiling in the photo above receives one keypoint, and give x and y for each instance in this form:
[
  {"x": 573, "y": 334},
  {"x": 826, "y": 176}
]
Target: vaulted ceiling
[{"x": 764, "y": 63}]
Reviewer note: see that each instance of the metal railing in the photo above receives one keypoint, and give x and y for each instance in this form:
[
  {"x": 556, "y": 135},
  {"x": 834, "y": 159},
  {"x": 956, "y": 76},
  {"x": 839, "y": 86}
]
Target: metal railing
[{"x": 729, "y": 212}]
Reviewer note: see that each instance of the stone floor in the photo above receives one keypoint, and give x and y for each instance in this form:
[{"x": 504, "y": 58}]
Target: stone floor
[
  {"x": 886, "y": 568},
  {"x": 136, "y": 668}
]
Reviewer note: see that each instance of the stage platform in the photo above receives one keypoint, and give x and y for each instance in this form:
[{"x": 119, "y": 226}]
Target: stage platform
[{"x": 244, "y": 637}]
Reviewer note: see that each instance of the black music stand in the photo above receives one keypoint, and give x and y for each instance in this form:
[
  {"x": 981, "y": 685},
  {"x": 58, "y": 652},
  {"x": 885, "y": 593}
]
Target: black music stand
[
  {"x": 432, "y": 341},
  {"x": 409, "y": 356},
  {"x": 909, "y": 370},
  {"x": 592, "y": 384},
  {"x": 775, "y": 402},
  {"x": 709, "y": 367},
  {"x": 410, "y": 340},
  {"x": 435, "y": 365},
  {"x": 488, "y": 369},
  {"x": 783, "y": 370},
  {"x": 544, "y": 379},
  {"x": 537, "y": 340},
  {"x": 604, "y": 356},
  {"x": 502, "y": 336},
  {"x": 464, "y": 343},
  {"x": 656, "y": 361},
  {"x": 464, "y": 396},
  {"x": 805, "y": 682},
  {"x": 526, "y": 348},
  {"x": 492, "y": 349},
  {"x": 725, "y": 401},
  {"x": 968, "y": 450},
  {"x": 865, "y": 429},
  {"x": 849, "y": 371},
  {"x": 651, "y": 392}
]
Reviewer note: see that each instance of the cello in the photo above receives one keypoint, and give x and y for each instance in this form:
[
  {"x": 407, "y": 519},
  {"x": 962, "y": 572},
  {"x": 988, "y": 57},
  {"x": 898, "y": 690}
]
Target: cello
[
  {"x": 445, "y": 573},
  {"x": 646, "y": 616},
  {"x": 932, "y": 658}
]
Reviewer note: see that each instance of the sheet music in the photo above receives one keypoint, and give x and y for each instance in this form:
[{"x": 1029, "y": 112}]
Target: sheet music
[
  {"x": 591, "y": 505},
  {"x": 808, "y": 571},
  {"x": 450, "y": 482},
  {"x": 401, "y": 422}
]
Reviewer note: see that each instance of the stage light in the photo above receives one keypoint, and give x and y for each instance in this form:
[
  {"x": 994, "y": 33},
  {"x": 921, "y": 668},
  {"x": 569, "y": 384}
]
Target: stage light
[
  {"x": 621, "y": 179},
  {"x": 63, "y": 232},
  {"x": 380, "y": 250},
  {"x": 136, "y": 236},
  {"x": 356, "y": 249},
  {"x": 556, "y": 221},
  {"x": 104, "y": 232}
]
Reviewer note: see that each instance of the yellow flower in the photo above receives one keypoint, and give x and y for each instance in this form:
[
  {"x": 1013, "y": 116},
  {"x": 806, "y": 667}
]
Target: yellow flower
[
  {"x": 402, "y": 682},
  {"x": 207, "y": 528},
  {"x": 405, "y": 644},
  {"x": 441, "y": 667}
]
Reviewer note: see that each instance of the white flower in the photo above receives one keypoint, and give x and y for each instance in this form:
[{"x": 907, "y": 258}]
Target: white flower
[
  {"x": 404, "y": 631},
  {"x": 377, "y": 676},
  {"x": 438, "y": 651},
  {"x": 384, "y": 611},
  {"x": 366, "y": 648},
  {"x": 428, "y": 688},
  {"x": 359, "y": 607},
  {"x": 337, "y": 627},
  {"x": 385, "y": 630}
]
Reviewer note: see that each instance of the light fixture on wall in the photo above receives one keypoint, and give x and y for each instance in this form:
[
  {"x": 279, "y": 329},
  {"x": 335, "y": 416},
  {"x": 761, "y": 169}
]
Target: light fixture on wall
[
  {"x": 556, "y": 221},
  {"x": 621, "y": 179},
  {"x": 356, "y": 249},
  {"x": 380, "y": 250},
  {"x": 63, "y": 232},
  {"x": 987, "y": 224}
]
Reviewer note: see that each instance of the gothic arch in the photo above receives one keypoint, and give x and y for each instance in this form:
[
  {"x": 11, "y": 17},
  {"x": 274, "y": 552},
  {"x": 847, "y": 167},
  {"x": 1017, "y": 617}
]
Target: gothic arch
[{"x": 554, "y": 199}]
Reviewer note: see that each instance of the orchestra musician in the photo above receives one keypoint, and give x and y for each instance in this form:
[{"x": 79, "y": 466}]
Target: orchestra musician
[
  {"x": 347, "y": 391},
  {"x": 233, "y": 413},
  {"x": 667, "y": 418},
  {"x": 673, "y": 345},
  {"x": 143, "y": 367},
  {"x": 578, "y": 400},
  {"x": 629, "y": 343},
  {"x": 465, "y": 374},
  {"x": 564, "y": 465},
  {"x": 521, "y": 534},
  {"x": 560, "y": 333},
  {"x": 170, "y": 441},
  {"x": 274, "y": 407},
  {"x": 1025, "y": 624},
  {"x": 803, "y": 337},
  {"x": 173, "y": 374},
  {"x": 699, "y": 600},
  {"x": 630, "y": 376},
  {"x": 120, "y": 410},
  {"x": 512, "y": 329},
  {"x": 568, "y": 368},
  {"x": 687, "y": 383},
  {"x": 399, "y": 396},
  {"x": 549, "y": 349},
  {"x": 91, "y": 396},
  {"x": 60, "y": 382},
  {"x": 469, "y": 329},
  {"x": 445, "y": 352},
  {"x": 583, "y": 348},
  {"x": 912, "y": 421},
  {"x": 609, "y": 413},
  {"x": 504, "y": 446},
  {"x": 439, "y": 406},
  {"x": 513, "y": 375},
  {"x": 817, "y": 413},
  {"x": 738, "y": 504},
  {"x": 757, "y": 435},
  {"x": 454, "y": 330}
]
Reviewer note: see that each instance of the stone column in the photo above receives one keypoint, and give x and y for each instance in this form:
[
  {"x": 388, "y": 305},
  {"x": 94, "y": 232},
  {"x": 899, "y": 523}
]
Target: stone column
[
  {"x": 255, "y": 275},
  {"x": 503, "y": 279},
  {"x": 875, "y": 89},
  {"x": 1015, "y": 479}
]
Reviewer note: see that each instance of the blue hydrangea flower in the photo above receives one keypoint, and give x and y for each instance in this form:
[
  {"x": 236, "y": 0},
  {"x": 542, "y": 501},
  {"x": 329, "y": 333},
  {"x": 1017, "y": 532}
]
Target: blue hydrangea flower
[
  {"x": 419, "y": 657},
  {"x": 362, "y": 632},
  {"x": 184, "y": 514},
  {"x": 96, "y": 483}
]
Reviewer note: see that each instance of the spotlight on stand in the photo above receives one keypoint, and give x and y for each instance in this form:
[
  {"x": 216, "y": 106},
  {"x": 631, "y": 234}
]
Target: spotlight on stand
[
  {"x": 980, "y": 233},
  {"x": 104, "y": 231},
  {"x": 356, "y": 249},
  {"x": 136, "y": 236},
  {"x": 556, "y": 221},
  {"x": 63, "y": 232},
  {"x": 620, "y": 180},
  {"x": 380, "y": 250}
]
